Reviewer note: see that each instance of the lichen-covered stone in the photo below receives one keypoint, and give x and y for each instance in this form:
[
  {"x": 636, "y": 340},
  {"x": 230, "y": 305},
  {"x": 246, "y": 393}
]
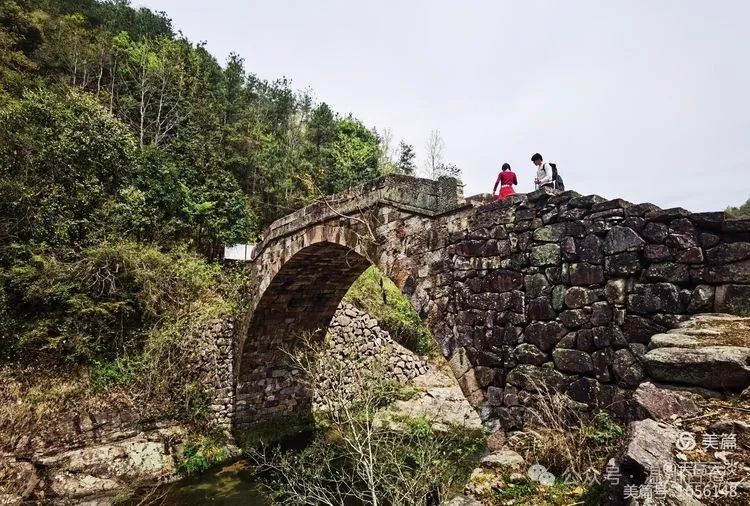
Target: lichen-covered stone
[
  {"x": 527, "y": 353},
  {"x": 573, "y": 361},
  {"x": 578, "y": 297},
  {"x": 544, "y": 334},
  {"x": 546, "y": 254},
  {"x": 627, "y": 369},
  {"x": 713, "y": 367},
  {"x": 655, "y": 298}
]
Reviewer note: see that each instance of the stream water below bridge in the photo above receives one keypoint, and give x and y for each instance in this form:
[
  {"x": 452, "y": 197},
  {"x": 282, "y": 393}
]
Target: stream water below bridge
[{"x": 232, "y": 484}]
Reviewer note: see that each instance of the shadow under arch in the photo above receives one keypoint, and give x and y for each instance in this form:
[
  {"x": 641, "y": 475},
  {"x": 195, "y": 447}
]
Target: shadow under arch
[{"x": 301, "y": 298}]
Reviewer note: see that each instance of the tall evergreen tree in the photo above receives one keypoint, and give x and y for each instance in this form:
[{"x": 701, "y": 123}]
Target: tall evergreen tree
[{"x": 406, "y": 164}]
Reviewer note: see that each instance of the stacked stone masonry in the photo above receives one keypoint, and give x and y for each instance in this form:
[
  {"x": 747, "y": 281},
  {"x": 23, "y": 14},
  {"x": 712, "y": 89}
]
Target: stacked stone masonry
[
  {"x": 355, "y": 340},
  {"x": 555, "y": 291}
]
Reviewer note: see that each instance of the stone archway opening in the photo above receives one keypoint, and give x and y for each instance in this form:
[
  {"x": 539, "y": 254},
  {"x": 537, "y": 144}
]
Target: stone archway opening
[
  {"x": 301, "y": 299},
  {"x": 300, "y": 303}
]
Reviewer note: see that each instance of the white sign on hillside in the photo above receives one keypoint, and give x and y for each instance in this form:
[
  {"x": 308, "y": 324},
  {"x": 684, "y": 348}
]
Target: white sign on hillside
[{"x": 239, "y": 252}]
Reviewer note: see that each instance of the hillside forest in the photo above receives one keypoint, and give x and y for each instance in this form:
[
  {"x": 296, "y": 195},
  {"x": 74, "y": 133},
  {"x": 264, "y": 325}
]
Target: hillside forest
[{"x": 129, "y": 156}]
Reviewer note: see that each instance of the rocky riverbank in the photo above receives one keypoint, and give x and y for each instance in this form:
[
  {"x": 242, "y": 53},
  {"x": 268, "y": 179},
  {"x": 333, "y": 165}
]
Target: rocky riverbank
[{"x": 105, "y": 449}]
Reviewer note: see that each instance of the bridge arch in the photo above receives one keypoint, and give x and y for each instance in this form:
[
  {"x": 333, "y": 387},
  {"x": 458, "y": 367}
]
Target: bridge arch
[{"x": 305, "y": 266}]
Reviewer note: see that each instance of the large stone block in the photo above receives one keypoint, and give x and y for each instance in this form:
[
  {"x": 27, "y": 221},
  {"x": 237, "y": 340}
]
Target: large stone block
[
  {"x": 575, "y": 318},
  {"x": 551, "y": 233},
  {"x": 738, "y": 272},
  {"x": 627, "y": 369},
  {"x": 655, "y": 298},
  {"x": 621, "y": 239},
  {"x": 544, "y": 334},
  {"x": 713, "y": 367},
  {"x": 733, "y": 299},
  {"x": 573, "y": 361},
  {"x": 537, "y": 285},
  {"x": 527, "y": 353},
  {"x": 534, "y": 379},
  {"x": 668, "y": 271},
  {"x": 546, "y": 254},
  {"x": 583, "y": 274},
  {"x": 623, "y": 264},
  {"x": 540, "y": 310},
  {"x": 578, "y": 297},
  {"x": 656, "y": 233}
]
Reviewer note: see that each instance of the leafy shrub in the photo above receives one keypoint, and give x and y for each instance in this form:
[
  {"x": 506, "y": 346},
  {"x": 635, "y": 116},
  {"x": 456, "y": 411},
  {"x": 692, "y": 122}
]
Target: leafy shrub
[
  {"x": 420, "y": 426},
  {"x": 116, "y": 372},
  {"x": 602, "y": 429},
  {"x": 105, "y": 302},
  {"x": 201, "y": 454}
]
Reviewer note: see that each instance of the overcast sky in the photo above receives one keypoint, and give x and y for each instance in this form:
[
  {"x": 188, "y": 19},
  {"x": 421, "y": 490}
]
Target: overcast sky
[{"x": 647, "y": 100}]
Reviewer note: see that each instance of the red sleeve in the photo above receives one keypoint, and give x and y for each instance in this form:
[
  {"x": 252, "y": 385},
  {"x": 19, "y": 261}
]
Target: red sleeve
[
  {"x": 515, "y": 179},
  {"x": 497, "y": 181}
]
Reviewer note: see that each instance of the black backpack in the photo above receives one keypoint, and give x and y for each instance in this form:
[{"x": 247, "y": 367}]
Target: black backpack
[{"x": 557, "y": 180}]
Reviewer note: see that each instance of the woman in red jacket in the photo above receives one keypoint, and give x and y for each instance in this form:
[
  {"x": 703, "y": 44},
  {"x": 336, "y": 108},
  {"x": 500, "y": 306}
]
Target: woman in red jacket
[{"x": 506, "y": 179}]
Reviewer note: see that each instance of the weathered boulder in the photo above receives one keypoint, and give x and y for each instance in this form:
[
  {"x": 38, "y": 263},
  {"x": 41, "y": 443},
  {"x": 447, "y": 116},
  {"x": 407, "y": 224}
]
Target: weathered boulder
[
  {"x": 728, "y": 252},
  {"x": 527, "y": 353},
  {"x": 627, "y": 368},
  {"x": 649, "y": 447},
  {"x": 675, "y": 340},
  {"x": 654, "y": 298},
  {"x": 578, "y": 297},
  {"x": 663, "y": 404},
  {"x": 623, "y": 264},
  {"x": 546, "y": 254},
  {"x": 589, "y": 249},
  {"x": 714, "y": 367},
  {"x": 584, "y": 274},
  {"x": 533, "y": 378},
  {"x": 505, "y": 460}
]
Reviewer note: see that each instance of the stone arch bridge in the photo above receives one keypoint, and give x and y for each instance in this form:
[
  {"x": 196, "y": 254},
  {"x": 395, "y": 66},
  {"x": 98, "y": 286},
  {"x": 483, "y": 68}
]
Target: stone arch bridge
[{"x": 556, "y": 289}]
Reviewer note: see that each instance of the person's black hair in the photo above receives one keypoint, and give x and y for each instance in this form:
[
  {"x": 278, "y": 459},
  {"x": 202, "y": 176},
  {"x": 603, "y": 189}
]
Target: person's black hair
[
  {"x": 536, "y": 157},
  {"x": 506, "y": 166}
]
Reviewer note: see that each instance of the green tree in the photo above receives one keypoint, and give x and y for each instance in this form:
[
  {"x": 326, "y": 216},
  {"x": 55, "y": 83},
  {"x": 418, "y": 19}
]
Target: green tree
[
  {"x": 406, "y": 158},
  {"x": 62, "y": 158},
  {"x": 20, "y": 37},
  {"x": 354, "y": 154},
  {"x": 742, "y": 211}
]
